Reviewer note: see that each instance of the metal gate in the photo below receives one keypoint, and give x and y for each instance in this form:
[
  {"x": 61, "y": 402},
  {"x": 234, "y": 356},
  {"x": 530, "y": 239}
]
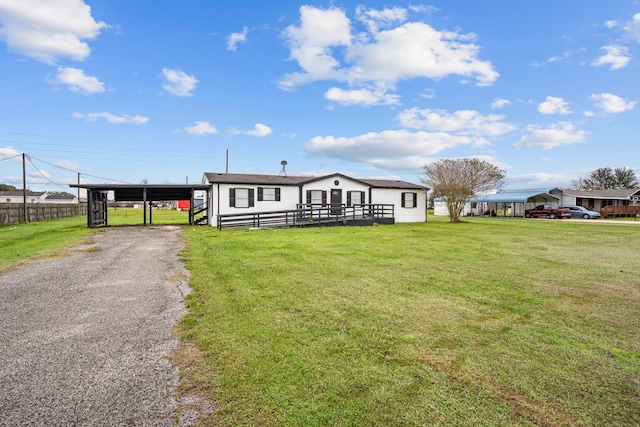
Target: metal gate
[{"x": 97, "y": 208}]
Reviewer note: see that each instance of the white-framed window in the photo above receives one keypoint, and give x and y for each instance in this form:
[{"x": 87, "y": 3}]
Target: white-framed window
[
  {"x": 355, "y": 198},
  {"x": 241, "y": 197},
  {"x": 266, "y": 194},
  {"x": 409, "y": 200},
  {"x": 317, "y": 197}
]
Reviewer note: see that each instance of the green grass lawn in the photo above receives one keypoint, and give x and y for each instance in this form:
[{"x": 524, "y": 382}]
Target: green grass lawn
[
  {"x": 493, "y": 322},
  {"x": 21, "y": 242}
]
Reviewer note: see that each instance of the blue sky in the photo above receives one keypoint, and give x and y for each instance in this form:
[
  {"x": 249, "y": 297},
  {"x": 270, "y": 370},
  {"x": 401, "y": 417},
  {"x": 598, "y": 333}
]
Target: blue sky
[{"x": 162, "y": 90}]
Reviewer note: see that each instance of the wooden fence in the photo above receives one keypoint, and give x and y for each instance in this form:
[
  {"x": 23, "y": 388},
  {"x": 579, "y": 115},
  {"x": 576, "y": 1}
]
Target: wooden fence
[{"x": 14, "y": 213}]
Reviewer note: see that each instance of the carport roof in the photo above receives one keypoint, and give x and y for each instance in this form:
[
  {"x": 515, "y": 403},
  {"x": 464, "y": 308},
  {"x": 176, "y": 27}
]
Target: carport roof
[
  {"x": 154, "y": 192},
  {"x": 520, "y": 196}
]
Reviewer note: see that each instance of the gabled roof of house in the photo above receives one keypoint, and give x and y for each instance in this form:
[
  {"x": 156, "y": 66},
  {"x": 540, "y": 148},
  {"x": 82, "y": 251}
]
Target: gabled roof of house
[
  {"x": 61, "y": 197},
  {"x": 624, "y": 193},
  {"x": 256, "y": 179},
  {"x": 240, "y": 178}
]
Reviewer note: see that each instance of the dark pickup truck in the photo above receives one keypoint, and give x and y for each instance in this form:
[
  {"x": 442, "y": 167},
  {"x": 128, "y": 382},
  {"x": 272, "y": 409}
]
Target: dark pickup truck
[{"x": 544, "y": 211}]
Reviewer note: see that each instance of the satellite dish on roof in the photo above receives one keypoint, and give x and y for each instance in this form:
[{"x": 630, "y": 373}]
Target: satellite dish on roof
[{"x": 283, "y": 171}]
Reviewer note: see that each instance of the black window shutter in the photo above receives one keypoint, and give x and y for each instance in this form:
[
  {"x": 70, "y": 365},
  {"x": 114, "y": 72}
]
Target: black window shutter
[
  {"x": 309, "y": 197},
  {"x": 260, "y": 194},
  {"x": 232, "y": 197},
  {"x": 348, "y": 198},
  {"x": 403, "y": 197},
  {"x": 362, "y": 200},
  {"x": 324, "y": 197},
  {"x": 415, "y": 200},
  {"x": 277, "y": 194},
  {"x": 251, "y": 195}
]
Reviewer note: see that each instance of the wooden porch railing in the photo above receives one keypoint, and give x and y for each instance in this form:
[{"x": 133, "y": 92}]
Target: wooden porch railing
[
  {"x": 309, "y": 215},
  {"x": 619, "y": 211}
]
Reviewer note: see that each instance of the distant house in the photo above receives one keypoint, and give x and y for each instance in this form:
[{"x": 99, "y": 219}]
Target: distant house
[
  {"x": 514, "y": 202},
  {"x": 596, "y": 199},
  {"x": 248, "y": 194},
  {"x": 609, "y": 203},
  {"x": 18, "y": 196},
  {"x": 61, "y": 199}
]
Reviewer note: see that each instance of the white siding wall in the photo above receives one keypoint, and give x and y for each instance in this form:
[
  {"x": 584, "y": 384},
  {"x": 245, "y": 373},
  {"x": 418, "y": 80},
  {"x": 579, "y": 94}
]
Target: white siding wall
[
  {"x": 394, "y": 196},
  {"x": 290, "y": 197},
  {"x": 219, "y": 203},
  {"x": 440, "y": 208},
  {"x": 328, "y": 184}
]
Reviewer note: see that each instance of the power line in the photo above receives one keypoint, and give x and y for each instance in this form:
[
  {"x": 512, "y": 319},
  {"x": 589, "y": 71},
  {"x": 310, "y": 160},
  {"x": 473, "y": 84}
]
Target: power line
[
  {"x": 77, "y": 172},
  {"x": 42, "y": 174},
  {"x": 12, "y": 157}
]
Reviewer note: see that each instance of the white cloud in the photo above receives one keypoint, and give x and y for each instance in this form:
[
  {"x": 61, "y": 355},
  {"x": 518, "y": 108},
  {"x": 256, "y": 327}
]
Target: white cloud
[
  {"x": 77, "y": 81},
  {"x": 111, "y": 118},
  {"x": 236, "y": 38},
  {"x": 201, "y": 128},
  {"x": 632, "y": 28},
  {"x": 48, "y": 30},
  {"x": 554, "y": 105},
  {"x": 67, "y": 164},
  {"x": 178, "y": 83},
  {"x": 259, "y": 130},
  {"x": 464, "y": 122},
  {"x": 325, "y": 49},
  {"x": 616, "y": 56},
  {"x": 361, "y": 97},
  {"x": 374, "y": 19},
  {"x": 610, "y": 103},
  {"x": 562, "y": 133},
  {"x": 392, "y": 149},
  {"x": 540, "y": 180},
  {"x": 6, "y": 152},
  {"x": 311, "y": 44},
  {"x": 500, "y": 103}
]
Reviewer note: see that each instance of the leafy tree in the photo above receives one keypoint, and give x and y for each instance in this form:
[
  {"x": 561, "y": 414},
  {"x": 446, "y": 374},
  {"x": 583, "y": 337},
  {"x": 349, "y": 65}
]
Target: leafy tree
[
  {"x": 607, "y": 179},
  {"x": 458, "y": 180},
  {"x": 7, "y": 187}
]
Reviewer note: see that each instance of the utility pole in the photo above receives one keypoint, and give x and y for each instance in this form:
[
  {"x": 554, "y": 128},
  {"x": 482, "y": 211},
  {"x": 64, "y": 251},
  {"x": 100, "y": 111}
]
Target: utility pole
[
  {"x": 24, "y": 186},
  {"x": 78, "y": 187}
]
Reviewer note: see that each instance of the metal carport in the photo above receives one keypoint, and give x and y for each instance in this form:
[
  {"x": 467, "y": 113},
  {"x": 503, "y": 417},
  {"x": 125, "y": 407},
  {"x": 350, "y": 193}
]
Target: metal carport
[
  {"x": 517, "y": 199},
  {"x": 97, "y": 198}
]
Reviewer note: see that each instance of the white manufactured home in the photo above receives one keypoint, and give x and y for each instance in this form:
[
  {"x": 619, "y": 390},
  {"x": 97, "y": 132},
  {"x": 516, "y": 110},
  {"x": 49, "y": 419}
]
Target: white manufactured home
[{"x": 233, "y": 196}]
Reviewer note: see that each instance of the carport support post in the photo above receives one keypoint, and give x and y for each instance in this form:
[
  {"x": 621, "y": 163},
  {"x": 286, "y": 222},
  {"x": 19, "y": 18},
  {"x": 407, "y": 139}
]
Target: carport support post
[
  {"x": 144, "y": 206},
  {"x": 191, "y": 207},
  {"x": 150, "y": 212}
]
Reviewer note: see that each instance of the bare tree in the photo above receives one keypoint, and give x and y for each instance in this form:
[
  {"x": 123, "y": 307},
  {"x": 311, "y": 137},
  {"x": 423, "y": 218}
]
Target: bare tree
[
  {"x": 457, "y": 180},
  {"x": 607, "y": 179}
]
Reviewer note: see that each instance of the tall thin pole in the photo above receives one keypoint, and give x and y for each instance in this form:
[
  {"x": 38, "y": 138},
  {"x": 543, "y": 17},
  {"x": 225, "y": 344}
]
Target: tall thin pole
[
  {"x": 78, "y": 187},
  {"x": 226, "y": 169},
  {"x": 24, "y": 186}
]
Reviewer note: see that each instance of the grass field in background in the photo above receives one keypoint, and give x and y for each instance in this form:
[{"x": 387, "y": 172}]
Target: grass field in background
[{"x": 493, "y": 322}]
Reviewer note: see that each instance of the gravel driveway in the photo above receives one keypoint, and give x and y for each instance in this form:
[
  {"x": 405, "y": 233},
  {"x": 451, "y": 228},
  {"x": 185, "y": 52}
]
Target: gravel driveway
[{"x": 83, "y": 336}]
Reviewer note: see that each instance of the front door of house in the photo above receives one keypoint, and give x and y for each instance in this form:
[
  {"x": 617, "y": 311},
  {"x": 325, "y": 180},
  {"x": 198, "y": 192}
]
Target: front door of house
[{"x": 336, "y": 201}]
